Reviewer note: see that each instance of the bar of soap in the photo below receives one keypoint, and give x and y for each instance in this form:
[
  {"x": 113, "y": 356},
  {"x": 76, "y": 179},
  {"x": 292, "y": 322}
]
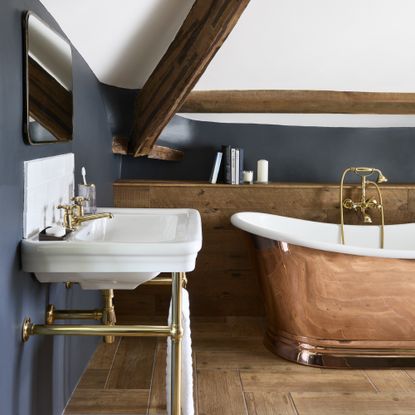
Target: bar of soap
[{"x": 56, "y": 230}]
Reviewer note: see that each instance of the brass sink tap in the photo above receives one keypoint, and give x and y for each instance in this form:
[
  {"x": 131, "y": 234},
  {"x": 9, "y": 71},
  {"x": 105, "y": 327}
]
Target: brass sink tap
[
  {"x": 74, "y": 214},
  {"x": 364, "y": 204}
]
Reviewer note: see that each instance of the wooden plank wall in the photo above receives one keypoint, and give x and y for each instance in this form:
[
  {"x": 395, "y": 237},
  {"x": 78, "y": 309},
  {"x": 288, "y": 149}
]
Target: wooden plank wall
[{"x": 225, "y": 282}]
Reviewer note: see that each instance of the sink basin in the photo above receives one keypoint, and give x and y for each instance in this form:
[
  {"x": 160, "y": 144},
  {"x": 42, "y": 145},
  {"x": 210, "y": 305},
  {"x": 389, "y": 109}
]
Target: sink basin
[{"x": 119, "y": 253}]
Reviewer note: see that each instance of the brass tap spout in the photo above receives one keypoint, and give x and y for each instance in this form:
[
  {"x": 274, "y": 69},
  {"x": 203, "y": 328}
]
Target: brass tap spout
[
  {"x": 86, "y": 218},
  {"x": 364, "y": 204},
  {"x": 74, "y": 214}
]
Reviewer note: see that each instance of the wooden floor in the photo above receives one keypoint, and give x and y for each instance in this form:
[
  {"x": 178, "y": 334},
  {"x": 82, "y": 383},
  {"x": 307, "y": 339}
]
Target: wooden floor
[{"x": 235, "y": 375}]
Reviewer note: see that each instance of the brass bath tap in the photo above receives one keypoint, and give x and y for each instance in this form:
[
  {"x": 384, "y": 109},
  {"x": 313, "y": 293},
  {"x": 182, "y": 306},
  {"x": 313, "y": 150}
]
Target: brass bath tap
[
  {"x": 74, "y": 214},
  {"x": 364, "y": 204}
]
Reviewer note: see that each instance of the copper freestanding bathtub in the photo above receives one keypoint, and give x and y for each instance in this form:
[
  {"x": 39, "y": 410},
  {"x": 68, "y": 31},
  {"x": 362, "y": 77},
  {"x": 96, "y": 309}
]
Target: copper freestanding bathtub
[{"x": 334, "y": 305}]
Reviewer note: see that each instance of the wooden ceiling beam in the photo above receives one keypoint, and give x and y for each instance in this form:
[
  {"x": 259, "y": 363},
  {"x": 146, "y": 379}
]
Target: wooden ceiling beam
[
  {"x": 299, "y": 102},
  {"x": 202, "y": 33},
  {"x": 120, "y": 146}
]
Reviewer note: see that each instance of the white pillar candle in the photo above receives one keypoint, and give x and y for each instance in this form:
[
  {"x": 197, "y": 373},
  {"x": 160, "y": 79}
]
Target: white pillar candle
[
  {"x": 262, "y": 171},
  {"x": 248, "y": 176}
]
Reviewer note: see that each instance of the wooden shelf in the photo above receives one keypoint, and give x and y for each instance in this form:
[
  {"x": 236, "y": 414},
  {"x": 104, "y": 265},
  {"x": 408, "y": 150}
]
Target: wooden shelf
[{"x": 272, "y": 185}]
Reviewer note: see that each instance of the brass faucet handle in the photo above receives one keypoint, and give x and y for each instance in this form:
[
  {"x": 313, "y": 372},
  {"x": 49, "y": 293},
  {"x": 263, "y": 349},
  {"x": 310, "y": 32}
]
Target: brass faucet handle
[
  {"x": 79, "y": 204},
  {"x": 349, "y": 204},
  {"x": 66, "y": 208},
  {"x": 68, "y": 216},
  {"x": 79, "y": 200}
]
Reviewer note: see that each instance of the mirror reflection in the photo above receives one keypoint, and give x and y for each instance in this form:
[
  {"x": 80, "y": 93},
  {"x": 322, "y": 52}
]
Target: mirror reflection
[{"x": 48, "y": 84}]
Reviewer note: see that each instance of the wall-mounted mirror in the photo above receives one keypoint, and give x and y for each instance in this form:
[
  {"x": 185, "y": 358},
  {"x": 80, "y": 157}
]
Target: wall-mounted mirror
[{"x": 48, "y": 84}]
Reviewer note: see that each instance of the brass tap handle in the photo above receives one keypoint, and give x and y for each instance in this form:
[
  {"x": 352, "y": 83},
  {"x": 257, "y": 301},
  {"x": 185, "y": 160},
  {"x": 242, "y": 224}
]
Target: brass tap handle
[
  {"x": 66, "y": 208},
  {"x": 79, "y": 200},
  {"x": 349, "y": 204},
  {"x": 79, "y": 203},
  {"x": 68, "y": 217}
]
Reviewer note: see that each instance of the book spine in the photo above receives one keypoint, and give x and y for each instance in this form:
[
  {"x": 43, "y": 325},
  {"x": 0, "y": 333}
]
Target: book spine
[
  {"x": 241, "y": 165},
  {"x": 233, "y": 161},
  {"x": 226, "y": 170},
  {"x": 237, "y": 166},
  {"x": 216, "y": 167}
]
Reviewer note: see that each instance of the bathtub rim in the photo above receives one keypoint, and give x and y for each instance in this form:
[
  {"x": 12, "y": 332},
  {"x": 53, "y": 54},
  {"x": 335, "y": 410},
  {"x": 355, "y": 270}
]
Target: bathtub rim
[{"x": 241, "y": 221}]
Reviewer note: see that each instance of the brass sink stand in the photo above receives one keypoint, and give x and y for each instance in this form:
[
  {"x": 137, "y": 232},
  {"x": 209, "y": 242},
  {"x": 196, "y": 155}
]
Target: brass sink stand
[{"x": 109, "y": 329}]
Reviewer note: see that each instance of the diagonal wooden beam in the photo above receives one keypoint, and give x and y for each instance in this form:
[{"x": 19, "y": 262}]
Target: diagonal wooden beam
[
  {"x": 299, "y": 101},
  {"x": 202, "y": 33}
]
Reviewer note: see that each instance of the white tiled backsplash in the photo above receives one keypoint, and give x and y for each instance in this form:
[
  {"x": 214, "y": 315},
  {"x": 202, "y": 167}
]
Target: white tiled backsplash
[{"x": 48, "y": 182}]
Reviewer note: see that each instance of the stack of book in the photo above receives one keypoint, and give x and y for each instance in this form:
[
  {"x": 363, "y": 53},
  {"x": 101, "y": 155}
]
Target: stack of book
[{"x": 232, "y": 161}]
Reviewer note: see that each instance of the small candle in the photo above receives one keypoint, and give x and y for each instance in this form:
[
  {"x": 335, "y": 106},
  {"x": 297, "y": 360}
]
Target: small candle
[
  {"x": 262, "y": 171},
  {"x": 248, "y": 176}
]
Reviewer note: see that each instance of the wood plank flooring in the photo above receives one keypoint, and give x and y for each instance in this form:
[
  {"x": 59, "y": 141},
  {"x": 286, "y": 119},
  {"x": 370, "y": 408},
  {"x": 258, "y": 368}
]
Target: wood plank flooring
[{"x": 234, "y": 375}]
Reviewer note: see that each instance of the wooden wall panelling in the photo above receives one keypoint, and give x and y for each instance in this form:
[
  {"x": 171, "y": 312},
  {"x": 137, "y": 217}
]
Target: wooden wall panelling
[{"x": 224, "y": 281}]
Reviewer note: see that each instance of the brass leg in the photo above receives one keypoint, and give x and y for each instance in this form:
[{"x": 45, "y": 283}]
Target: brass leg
[
  {"x": 108, "y": 317},
  {"x": 176, "y": 343}
]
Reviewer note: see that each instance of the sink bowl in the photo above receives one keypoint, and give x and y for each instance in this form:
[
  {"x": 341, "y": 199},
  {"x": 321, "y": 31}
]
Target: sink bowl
[{"x": 119, "y": 253}]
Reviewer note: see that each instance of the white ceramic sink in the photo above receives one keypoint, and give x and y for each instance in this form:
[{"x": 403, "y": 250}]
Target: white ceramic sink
[{"x": 122, "y": 253}]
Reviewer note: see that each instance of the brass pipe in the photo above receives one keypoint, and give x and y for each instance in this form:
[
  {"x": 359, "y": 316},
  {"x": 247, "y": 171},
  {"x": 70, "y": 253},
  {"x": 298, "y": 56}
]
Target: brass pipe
[
  {"x": 108, "y": 317},
  {"x": 52, "y": 314},
  {"x": 341, "y": 204},
  {"x": 30, "y": 329},
  {"x": 176, "y": 343},
  {"x": 165, "y": 281},
  {"x": 159, "y": 281},
  {"x": 382, "y": 215},
  {"x": 77, "y": 315}
]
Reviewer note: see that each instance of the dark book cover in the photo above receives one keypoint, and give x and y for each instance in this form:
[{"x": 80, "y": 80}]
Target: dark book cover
[{"x": 226, "y": 165}]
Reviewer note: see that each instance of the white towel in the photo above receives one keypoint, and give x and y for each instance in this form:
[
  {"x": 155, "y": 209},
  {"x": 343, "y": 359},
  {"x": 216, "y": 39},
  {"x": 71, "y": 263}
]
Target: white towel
[{"x": 187, "y": 363}]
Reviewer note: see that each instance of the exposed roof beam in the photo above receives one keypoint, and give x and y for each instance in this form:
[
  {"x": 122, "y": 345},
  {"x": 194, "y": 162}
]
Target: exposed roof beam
[
  {"x": 299, "y": 102},
  {"x": 202, "y": 33},
  {"x": 120, "y": 146}
]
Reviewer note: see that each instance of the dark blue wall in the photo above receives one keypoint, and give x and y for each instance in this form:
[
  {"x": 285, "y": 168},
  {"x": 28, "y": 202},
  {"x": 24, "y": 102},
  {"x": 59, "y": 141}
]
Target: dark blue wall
[
  {"x": 296, "y": 154},
  {"x": 37, "y": 378}
]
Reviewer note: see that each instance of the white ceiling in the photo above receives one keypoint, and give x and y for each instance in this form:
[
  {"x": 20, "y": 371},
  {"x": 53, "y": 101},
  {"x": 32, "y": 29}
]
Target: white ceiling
[
  {"x": 121, "y": 40},
  {"x": 362, "y": 45},
  {"x": 356, "y": 45},
  {"x": 346, "y": 45}
]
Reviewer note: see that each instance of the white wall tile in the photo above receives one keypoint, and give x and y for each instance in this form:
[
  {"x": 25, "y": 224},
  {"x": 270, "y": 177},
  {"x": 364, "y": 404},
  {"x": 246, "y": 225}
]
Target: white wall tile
[{"x": 49, "y": 182}]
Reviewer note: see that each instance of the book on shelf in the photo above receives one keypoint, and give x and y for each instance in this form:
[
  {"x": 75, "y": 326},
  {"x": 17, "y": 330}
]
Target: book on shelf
[
  {"x": 232, "y": 165},
  {"x": 226, "y": 165},
  {"x": 215, "y": 169},
  {"x": 241, "y": 165}
]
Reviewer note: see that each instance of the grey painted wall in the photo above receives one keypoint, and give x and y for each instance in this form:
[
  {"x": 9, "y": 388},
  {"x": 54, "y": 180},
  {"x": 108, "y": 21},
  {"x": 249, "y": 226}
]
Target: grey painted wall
[
  {"x": 296, "y": 154},
  {"x": 37, "y": 378}
]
